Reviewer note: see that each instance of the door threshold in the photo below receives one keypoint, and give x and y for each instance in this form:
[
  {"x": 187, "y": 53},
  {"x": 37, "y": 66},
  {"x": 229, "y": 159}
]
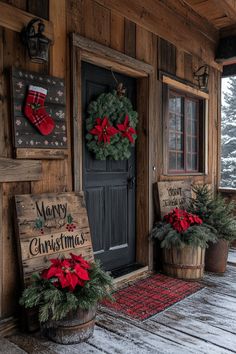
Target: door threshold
[{"x": 129, "y": 278}]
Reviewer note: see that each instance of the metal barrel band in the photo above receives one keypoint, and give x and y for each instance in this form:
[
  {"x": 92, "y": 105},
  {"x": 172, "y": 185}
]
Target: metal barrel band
[
  {"x": 183, "y": 266},
  {"x": 79, "y": 326}
]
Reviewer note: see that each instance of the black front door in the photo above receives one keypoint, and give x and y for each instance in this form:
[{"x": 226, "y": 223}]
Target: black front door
[{"x": 109, "y": 191}]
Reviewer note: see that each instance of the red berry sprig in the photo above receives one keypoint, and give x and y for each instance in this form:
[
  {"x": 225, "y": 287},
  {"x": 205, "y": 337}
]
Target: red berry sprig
[{"x": 70, "y": 227}]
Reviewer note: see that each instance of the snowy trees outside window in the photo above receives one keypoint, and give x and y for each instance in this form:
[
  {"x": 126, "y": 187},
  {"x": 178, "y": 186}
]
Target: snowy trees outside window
[{"x": 228, "y": 133}]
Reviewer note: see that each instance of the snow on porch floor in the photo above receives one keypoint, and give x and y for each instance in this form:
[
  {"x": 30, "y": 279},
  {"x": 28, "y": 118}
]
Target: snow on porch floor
[{"x": 202, "y": 323}]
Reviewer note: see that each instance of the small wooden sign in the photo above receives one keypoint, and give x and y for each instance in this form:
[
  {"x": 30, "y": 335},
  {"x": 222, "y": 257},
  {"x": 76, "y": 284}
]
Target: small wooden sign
[
  {"x": 173, "y": 195},
  {"x": 50, "y": 225},
  {"x": 28, "y": 142}
]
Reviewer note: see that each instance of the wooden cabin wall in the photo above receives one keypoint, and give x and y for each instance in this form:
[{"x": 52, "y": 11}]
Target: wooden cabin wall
[
  {"x": 56, "y": 174},
  {"x": 104, "y": 25}
]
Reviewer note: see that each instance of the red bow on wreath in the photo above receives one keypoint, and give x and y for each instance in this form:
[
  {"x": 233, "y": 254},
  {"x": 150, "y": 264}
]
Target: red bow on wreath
[
  {"x": 103, "y": 130},
  {"x": 126, "y": 130}
]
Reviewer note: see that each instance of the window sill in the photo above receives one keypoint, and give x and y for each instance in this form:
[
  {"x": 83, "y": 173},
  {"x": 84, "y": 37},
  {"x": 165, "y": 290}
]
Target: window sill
[
  {"x": 184, "y": 174},
  {"x": 227, "y": 190}
]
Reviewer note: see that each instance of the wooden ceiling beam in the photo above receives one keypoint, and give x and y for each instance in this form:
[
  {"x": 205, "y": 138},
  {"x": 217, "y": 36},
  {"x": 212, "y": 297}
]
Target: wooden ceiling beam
[
  {"x": 228, "y": 31},
  {"x": 158, "y": 18},
  {"x": 201, "y": 24},
  {"x": 228, "y": 7}
]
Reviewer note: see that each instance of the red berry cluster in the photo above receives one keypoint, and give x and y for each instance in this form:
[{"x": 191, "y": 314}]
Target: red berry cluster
[{"x": 70, "y": 227}]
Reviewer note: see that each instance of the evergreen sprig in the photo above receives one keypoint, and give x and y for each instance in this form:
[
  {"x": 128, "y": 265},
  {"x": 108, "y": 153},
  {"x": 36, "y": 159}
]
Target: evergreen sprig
[
  {"x": 55, "y": 303},
  {"x": 195, "y": 235},
  {"x": 214, "y": 211}
]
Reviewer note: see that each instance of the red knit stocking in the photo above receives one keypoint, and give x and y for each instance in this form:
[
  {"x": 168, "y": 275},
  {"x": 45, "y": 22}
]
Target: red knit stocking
[{"x": 35, "y": 111}]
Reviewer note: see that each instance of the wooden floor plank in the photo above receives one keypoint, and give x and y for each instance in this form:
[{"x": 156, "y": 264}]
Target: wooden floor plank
[
  {"x": 200, "y": 309},
  {"x": 205, "y": 322},
  {"x": 110, "y": 342},
  {"x": 197, "y": 328},
  {"x": 223, "y": 284},
  {"x": 232, "y": 257},
  {"x": 187, "y": 342},
  {"x": 140, "y": 336},
  {"x": 38, "y": 344}
]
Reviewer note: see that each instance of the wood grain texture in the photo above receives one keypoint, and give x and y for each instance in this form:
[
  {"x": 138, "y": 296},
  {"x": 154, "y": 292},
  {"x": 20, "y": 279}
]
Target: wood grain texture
[
  {"x": 15, "y": 171},
  {"x": 42, "y": 154},
  {"x": 1, "y": 247},
  {"x": 117, "y": 32},
  {"x": 39, "y": 8},
  {"x": 185, "y": 263},
  {"x": 130, "y": 38},
  {"x": 203, "y": 323},
  {"x": 143, "y": 186},
  {"x": 99, "y": 50},
  {"x": 49, "y": 225},
  {"x": 182, "y": 8},
  {"x": 186, "y": 38},
  {"x": 147, "y": 51},
  {"x": 186, "y": 88},
  {"x": 180, "y": 63},
  {"x": 77, "y": 118},
  {"x": 167, "y": 56},
  {"x": 57, "y": 10},
  {"x": 10, "y": 279},
  {"x": 188, "y": 67},
  {"x": 2, "y": 95},
  {"x": 173, "y": 194},
  {"x": 15, "y": 19}
]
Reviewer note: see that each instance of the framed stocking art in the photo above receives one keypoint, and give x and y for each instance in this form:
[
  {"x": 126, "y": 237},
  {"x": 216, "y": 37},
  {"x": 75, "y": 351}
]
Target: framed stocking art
[{"x": 38, "y": 115}]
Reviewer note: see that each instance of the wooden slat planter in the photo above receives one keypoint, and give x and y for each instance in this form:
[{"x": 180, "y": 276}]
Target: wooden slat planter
[
  {"x": 184, "y": 263},
  {"x": 216, "y": 256},
  {"x": 75, "y": 328}
]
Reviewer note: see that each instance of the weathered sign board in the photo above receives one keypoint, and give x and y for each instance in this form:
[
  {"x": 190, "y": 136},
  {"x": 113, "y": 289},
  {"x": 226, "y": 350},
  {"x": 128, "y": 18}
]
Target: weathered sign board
[
  {"x": 173, "y": 195},
  {"x": 50, "y": 225},
  {"x": 28, "y": 142}
]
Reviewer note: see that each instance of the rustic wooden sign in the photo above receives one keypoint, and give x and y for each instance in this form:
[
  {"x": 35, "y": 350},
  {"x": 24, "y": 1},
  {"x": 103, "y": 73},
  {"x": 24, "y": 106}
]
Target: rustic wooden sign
[
  {"x": 28, "y": 142},
  {"x": 50, "y": 225},
  {"x": 173, "y": 195}
]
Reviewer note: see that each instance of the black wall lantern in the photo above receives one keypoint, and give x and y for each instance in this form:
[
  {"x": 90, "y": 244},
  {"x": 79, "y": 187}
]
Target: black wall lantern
[
  {"x": 37, "y": 44},
  {"x": 201, "y": 75}
]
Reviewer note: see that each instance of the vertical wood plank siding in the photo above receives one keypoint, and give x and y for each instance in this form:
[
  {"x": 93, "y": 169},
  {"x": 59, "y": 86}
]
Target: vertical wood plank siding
[{"x": 99, "y": 21}]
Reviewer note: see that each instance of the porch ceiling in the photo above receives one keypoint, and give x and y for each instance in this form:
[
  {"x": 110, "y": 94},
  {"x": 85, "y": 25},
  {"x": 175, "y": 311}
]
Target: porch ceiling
[{"x": 220, "y": 13}]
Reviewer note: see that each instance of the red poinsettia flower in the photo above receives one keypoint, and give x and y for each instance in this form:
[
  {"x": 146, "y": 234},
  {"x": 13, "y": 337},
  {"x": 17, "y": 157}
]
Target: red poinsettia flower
[
  {"x": 181, "y": 220},
  {"x": 126, "y": 130},
  {"x": 103, "y": 130},
  {"x": 68, "y": 272},
  {"x": 80, "y": 260}
]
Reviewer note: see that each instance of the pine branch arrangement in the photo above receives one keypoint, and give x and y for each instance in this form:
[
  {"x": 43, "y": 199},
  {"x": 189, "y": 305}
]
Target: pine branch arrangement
[
  {"x": 214, "y": 211},
  {"x": 55, "y": 299},
  {"x": 196, "y": 236}
]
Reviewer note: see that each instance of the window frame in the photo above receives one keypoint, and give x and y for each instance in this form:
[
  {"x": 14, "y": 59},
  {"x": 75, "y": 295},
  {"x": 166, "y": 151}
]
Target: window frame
[{"x": 202, "y": 126}]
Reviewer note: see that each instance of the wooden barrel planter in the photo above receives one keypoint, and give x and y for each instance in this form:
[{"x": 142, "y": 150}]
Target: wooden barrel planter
[
  {"x": 216, "y": 256},
  {"x": 184, "y": 263},
  {"x": 74, "y": 328}
]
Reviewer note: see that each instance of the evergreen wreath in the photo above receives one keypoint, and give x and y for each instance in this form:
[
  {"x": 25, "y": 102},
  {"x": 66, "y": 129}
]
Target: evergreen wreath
[{"x": 111, "y": 126}]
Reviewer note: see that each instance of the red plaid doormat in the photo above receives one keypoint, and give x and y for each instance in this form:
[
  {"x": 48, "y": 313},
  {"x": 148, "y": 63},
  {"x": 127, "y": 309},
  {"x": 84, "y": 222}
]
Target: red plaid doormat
[{"x": 147, "y": 297}]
